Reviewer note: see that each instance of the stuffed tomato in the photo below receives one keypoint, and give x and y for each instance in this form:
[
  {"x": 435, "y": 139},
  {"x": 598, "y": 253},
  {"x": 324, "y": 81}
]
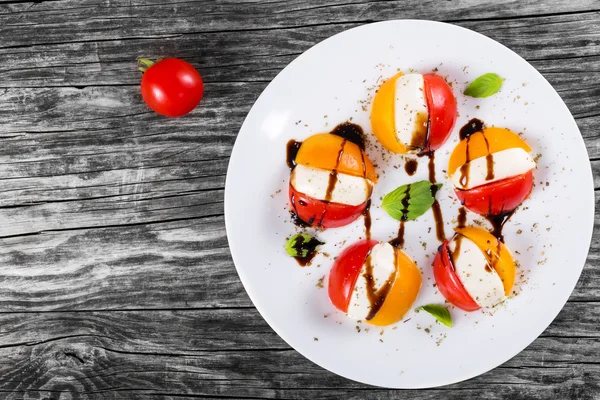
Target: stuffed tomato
[
  {"x": 413, "y": 113},
  {"x": 374, "y": 281},
  {"x": 474, "y": 269},
  {"x": 492, "y": 171},
  {"x": 331, "y": 181}
]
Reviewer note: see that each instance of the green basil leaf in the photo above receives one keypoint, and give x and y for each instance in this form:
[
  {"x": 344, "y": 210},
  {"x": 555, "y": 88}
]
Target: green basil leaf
[
  {"x": 440, "y": 313},
  {"x": 485, "y": 86},
  {"x": 296, "y": 245},
  {"x": 408, "y": 202}
]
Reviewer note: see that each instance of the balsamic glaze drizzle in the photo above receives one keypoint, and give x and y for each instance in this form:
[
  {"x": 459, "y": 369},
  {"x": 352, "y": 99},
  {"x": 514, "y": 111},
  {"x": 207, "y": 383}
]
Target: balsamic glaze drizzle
[
  {"x": 461, "y": 222},
  {"x": 489, "y": 161},
  {"x": 435, "y": 207},
  {"x": 310, "y": 246},
  {"x": 462, "y": 218},
  {"x": 291, "y": 153},
  {"x": 438, "y": 217},
  {"x": 420, "y": 135},
  {"x": 398, "y": 241},
  {"x": 367, "y": 220},
  {"x": 333, "y": 174},
  {"x": 411, "y": 166},
  {"x": 431, "y": 166},
  {"x": 296, "y": 220},
  {"x": 377, "y": 297},
  {"x": 349, "y": 132},
  {"x": 498, "y": 222},
  {"x": 473, "y": 126}
]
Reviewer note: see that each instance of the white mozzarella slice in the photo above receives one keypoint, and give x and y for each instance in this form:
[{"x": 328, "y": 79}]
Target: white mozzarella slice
[
  {"x": 479, "y": 279},
  {"x": 348, "y": 189},
  {"x": 505, "y": 164},
  {"x": 383, "y": 261},
  {"x": 410, "y": 111}
]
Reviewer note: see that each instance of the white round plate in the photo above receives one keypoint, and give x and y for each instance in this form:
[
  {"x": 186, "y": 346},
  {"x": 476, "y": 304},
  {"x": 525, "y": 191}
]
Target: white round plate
[{"x": 334, "y": 82}]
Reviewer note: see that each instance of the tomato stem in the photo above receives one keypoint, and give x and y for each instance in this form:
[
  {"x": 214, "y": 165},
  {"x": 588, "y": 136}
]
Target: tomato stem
[{"x": 145, "y": 63}]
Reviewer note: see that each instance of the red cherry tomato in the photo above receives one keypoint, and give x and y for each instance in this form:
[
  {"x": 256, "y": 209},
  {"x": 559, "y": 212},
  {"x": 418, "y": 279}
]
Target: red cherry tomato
[
  {"x": 497, "y": 197},
  {"x": 448, "y": 283},
  {"x": 172, "y": 87},
  {"x": 345, "y": 271},
  {"x": 323, "y": 214},
  {"x": 441, "y": 104}
]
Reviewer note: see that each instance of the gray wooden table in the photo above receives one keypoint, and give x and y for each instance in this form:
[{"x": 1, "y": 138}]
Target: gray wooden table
[{"x": 116, "y": 279}]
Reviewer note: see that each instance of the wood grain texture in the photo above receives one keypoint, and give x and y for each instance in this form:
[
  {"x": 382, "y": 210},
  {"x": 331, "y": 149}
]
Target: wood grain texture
[
  {"x": 217, "y": 352},
  {"x": 117, "y": 279}
]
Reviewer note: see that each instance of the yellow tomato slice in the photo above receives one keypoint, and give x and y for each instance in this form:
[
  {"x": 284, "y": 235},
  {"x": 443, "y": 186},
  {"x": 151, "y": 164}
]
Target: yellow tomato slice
[
  {"x": 403, "y": 293},
  {"x": 382, "y": 116},
  {"x": 323, "y": 150},
  {"x": 496, "y": 252},
  {"x": 498, "y": 139}
]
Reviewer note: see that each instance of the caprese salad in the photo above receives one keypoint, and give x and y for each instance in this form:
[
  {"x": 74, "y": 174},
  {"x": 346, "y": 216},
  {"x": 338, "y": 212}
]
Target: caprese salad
[
  {"x": 413, "y": 113},
  {"x": 474, "y": 269},
  {"x": 374, "y": 282},
  {"x": 491, "y": 169},
  {"x": 331, "y": 181}
]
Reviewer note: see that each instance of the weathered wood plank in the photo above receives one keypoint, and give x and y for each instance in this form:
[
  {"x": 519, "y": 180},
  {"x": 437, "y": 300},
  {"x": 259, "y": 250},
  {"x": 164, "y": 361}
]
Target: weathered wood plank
[
  {"x": 165, "y": 265},
  {"x": 21, "y": 187},
  {"x": 95, "y": 113},
  {"x": 80, "y": 199},
  {"x": 145, "y": 182},
  {"x": 215, "y": 353},
  {"x": 172, "y": 265},
  {"x": 89, "y": 167},
  {"x": 98, "y": 108},
  {"x": 259, "y": 55},
  {"x": 67, "y": 130},
  {"x": 87, "y": 369},
  {"x": 120, "y": 197},
  {"x": 70, "y": 20},
  {"x": 201, "y": 330}
]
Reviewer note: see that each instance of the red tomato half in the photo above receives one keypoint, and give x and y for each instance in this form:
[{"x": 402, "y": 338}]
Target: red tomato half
[
  {"x": 448, "y": 283},
  {"x": 497, "y": 197},
  {"x": 172, "y": 87},
  {"x": 441, "y": 104},
  {"x": 345, "y": 271},
  {"x": 321, "y": 213}
]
